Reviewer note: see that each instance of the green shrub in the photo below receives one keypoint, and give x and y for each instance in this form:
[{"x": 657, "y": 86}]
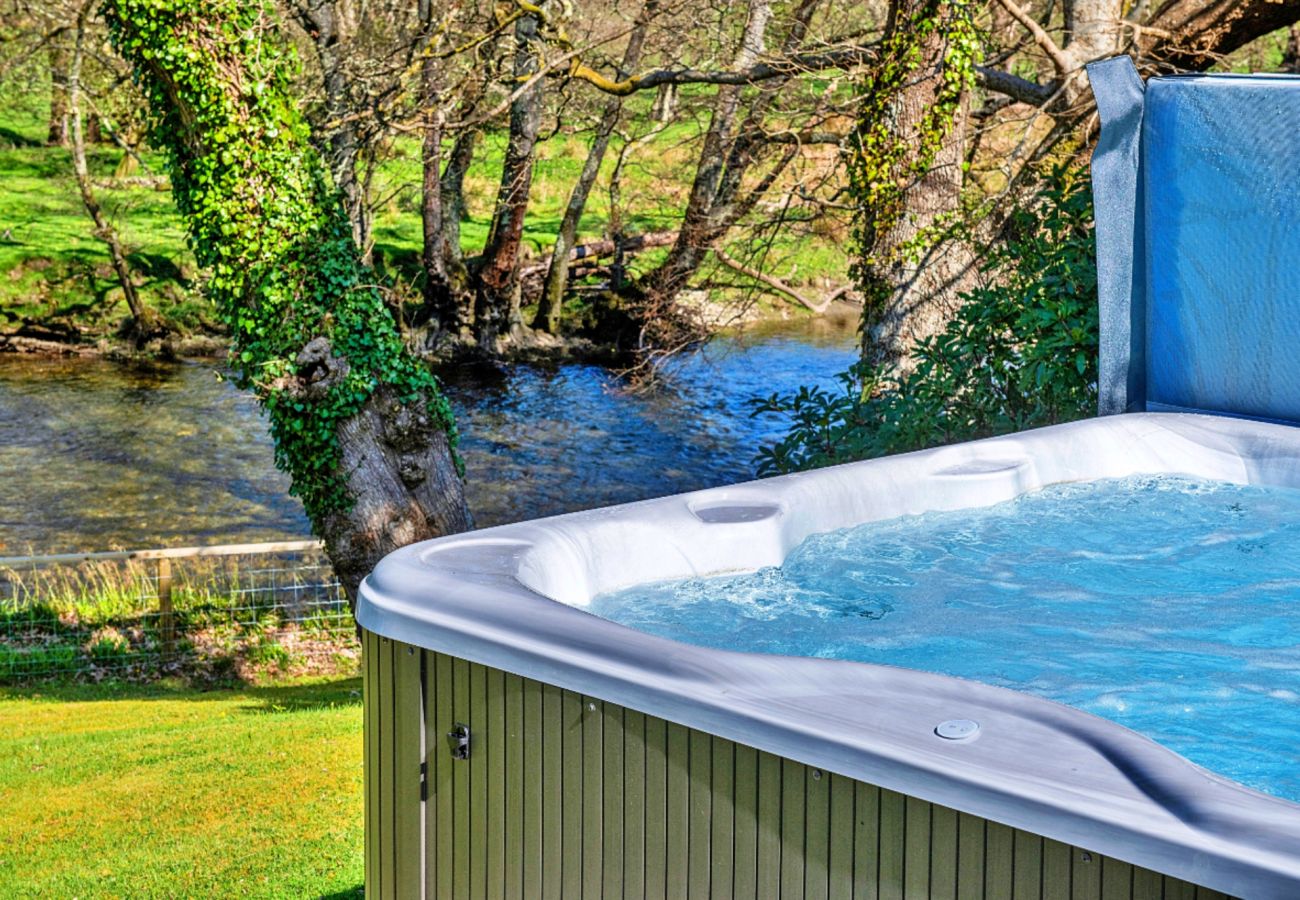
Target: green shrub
[
  {"x": 1021, "y": 352},
  {"x": 108, "y": 645}
]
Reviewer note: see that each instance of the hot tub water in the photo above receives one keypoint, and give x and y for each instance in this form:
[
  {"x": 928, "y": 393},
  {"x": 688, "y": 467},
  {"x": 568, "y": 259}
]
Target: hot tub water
[{"x": 1167, "y": 604}]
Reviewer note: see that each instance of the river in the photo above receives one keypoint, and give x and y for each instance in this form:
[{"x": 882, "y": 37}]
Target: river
[{"x": 97, "y": 455}]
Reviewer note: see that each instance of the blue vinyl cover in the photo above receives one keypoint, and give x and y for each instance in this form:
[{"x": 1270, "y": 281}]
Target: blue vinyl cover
[{"x": 1196, "y": 182}]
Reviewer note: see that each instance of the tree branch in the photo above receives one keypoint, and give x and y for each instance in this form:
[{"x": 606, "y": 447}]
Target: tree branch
[
  {"x": 777, "y": 284},
  {"x": 1014, "y": 86},
  {"x": 1060, "y": 61},
  {"x": 761, "y": 71}
]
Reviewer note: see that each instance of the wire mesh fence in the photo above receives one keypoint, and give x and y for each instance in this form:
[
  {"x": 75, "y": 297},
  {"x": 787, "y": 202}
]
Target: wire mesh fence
[{"x": 148, "y": 612}]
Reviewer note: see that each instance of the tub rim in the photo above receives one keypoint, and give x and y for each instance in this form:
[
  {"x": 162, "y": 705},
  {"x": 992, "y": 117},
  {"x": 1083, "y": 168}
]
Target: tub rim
[{"x": 1036, "y": 765}]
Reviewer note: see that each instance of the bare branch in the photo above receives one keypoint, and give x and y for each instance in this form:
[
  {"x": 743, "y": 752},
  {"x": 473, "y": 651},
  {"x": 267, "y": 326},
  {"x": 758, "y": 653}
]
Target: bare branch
[
  {"x": 1060, "y": 61},
  {"x": 803, "y": 62},
  {"x": 1014, "y": 86}
]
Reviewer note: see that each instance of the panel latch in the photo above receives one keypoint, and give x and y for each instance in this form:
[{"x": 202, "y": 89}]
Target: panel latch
[{"x": 458, "y": 738}]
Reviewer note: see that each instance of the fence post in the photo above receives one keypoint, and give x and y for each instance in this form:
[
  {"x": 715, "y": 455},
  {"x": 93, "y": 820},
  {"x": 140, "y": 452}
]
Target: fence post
[{"x": 166, "y": 614}]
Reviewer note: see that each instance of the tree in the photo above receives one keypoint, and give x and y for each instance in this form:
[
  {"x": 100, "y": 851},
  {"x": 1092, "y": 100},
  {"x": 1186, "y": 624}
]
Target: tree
[
  {"x": 361, "y": 427},
  {"x": 906, "y": 170},
  {"x": 104, "y": 229}
]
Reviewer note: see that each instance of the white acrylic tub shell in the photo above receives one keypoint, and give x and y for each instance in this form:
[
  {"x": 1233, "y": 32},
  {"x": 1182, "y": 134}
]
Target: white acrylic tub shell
[{"x": 512, "y": 598}]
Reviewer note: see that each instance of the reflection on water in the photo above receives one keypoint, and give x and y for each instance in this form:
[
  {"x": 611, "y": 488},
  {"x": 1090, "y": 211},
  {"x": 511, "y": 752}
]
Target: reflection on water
[{"x": 95, "y": 454}]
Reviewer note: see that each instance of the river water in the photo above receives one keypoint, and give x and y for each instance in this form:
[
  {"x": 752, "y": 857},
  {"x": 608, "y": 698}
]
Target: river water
[{"x": 97, "y": 455}]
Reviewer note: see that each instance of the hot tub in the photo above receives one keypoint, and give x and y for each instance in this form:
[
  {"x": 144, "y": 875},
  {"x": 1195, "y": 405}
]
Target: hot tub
[{"x": 518, "y": 746}]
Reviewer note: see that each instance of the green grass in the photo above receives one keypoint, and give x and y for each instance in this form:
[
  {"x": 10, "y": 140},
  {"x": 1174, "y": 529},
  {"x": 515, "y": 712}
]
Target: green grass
[
  {"x": 120, "y": 790},
  {"x": 55, "y": 273}
]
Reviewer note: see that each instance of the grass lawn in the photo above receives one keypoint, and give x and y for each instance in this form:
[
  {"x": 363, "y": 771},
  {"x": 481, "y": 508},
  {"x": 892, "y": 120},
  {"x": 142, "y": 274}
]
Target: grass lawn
[
  {"x": 121, "y": 790},
  {"x": 54, "y": 272}
]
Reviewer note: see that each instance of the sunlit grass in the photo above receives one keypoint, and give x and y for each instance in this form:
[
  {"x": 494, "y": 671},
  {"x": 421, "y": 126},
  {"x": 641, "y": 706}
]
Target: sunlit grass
[
  {"x": 162, "y": 791},
  {"x": 227, "y": 618},
  {"x": 54, "y": 272}
]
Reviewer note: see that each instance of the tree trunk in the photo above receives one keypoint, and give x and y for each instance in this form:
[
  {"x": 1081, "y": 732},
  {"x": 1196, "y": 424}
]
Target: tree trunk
[
  {"x": 58, "y": 131},
  {"x": 326, "y": 25},
  {"x": 359, "y": 425},
  {"x": 1192, "y": 35},
  {"x": 909, "y": 299},
  {"x": 699, "y": 227},
  {"x": 496, "y": 307},
  {"x": 103, "y": 228},
  {"x": 403, "y": 484},
  {"x": 438, "y": 303},
  {"x": 557, "y": 277},
  {"x": 452, "y": 204}
]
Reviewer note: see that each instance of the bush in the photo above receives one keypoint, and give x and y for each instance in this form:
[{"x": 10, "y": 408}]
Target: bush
[{"x": 1021, "y": 352}]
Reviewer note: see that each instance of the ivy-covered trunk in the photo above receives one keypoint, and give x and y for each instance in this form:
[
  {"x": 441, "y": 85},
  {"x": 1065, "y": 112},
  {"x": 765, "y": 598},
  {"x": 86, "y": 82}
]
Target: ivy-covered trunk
[
  {"x": 361, "y": 427},
  {"x": 906, "y": 172}
]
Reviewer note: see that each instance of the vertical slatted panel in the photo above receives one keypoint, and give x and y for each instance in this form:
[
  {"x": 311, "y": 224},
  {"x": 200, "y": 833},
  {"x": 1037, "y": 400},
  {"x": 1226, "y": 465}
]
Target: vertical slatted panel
[
  {"x": 553, "y": 727},
  {"x": 1056, "y": 870},
  {"x": 1116, "y": 880},
  {"x": 817, "y": 821},
  {"x": 840, "y": 853},
  {"x": 1027, "y": 880},
  {"x": 699, "y": 793},
  {"x": 369, "y": 734},
  {"x": 999, "y": 861},
  {"x": 593, "y": 770},
  {"x": 723, "y": 812},
  {"x": 769, "y": 824},
  {"x": 793, "y": 832},
  {"x": 1148, "y": 885},
  {"x": 515, "y": 780},
  {"x": 745, "y": 836},
  {"x": 970, "y": 857},
  {"x": 1085, "y": 876},
  {"x": 534, "y": 811},
  {"x": 571, "y": 763},
  {"x": 431, "y": 759},
  {"x": 612, "y": 817},
  {"x": 384, "y": 755},
  {"x": 559, "y": 799},
  {"x": 893, "y": 844},
  {"x": 656, "y": 807},
  {"x": 493, "y": 769},
  {"x": 916, "y": 865},
  {"x": 480, "y": 755},
  {"x": 634, "y": 805},
  {"x": 866, "y": 842},
  {"x": 460, "y": 782},
  {"x": 679, "y": 815},
  {"x": 441, "y": 767},
  {"x": 408, "y": 722},
  {"x": 943, "y": 853}
]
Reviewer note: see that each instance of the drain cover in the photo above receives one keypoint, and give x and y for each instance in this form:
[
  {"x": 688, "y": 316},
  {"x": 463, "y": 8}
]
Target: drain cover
[{"x": 957, "y": 729}]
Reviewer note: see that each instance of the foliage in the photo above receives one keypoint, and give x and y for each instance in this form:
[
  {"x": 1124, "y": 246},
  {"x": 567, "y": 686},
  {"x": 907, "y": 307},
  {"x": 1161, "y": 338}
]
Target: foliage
[
  {"x": 881, "y": 166},
  {"x": 266, "y": 223},
  {"x": 122, "y": 790},
  {"x": 1021, "y": 352}
]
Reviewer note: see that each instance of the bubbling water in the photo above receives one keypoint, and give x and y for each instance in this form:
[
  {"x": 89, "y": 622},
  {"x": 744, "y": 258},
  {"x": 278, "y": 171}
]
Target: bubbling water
[{"x": 1167, "y": 604}]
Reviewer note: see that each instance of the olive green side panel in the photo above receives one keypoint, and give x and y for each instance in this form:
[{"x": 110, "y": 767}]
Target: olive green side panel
[
  {"x": 369, "y": 733},
  {"x": 566, "y": 796},
  {"x": 408, "y": 754}
]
